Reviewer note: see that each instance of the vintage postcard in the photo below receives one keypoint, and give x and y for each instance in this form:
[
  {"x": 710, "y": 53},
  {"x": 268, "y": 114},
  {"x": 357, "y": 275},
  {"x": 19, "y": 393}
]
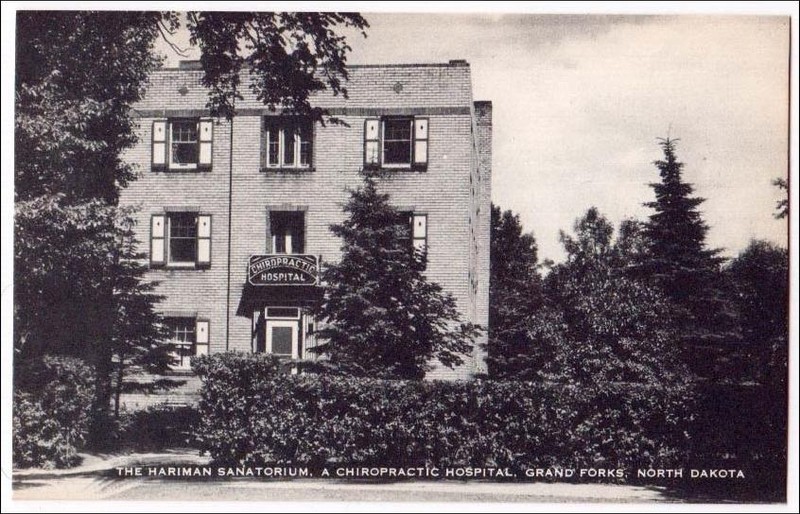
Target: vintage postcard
[{"x": 374, "y": 256}]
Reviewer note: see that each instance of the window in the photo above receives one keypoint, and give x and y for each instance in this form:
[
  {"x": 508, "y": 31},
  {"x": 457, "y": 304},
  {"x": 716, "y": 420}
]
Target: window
[
  {"x": 180, "y": 239},
  {"x": 286, "y": 232},
  {"x": 182, "y": 144},
  {"x": 182, "y": 335},
  {"x": 189, "y": 336},
  {"x": 396, "y": 142},
  {"x": 183, "y": 138},
  {"x": 283, "y": 312},
  {"x": 286, "y": 143}
]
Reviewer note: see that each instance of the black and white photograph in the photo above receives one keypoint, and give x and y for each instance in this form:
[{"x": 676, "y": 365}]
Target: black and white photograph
[{"x": 402, "y": 256}]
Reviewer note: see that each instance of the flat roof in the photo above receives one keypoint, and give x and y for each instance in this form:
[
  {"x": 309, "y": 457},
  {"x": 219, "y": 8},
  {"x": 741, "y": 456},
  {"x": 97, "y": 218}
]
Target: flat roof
[{"x": 195, "y": 65}]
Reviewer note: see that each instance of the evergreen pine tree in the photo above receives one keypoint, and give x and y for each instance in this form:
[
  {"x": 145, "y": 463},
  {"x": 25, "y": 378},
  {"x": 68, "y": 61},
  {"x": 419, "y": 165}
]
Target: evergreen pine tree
[
  {"x": 515, "y": 295},
  {"x": 381, "y": 316},
  {"x": 138, "y": 333},
  {"x": 678, "y": 260}
]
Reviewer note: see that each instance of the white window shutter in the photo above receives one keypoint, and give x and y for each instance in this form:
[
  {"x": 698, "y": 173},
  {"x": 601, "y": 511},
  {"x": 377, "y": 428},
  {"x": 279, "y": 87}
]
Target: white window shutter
[
  {"x": 372, "y": 132},
  {"x": 202, "y": 336},
  {"x": 420, "y": 226},
  {"x": 159, "y": 150},
  {"x": 421, "y": 128},
  {"x": 201, "y": 331},
  {"x": 206, "y": 141},
  {"x": 157, "y": 233},
  {"x": 204, "y": 240},
  {"x": 421, "y": 141},
  {"x": 419, "y": 233}
]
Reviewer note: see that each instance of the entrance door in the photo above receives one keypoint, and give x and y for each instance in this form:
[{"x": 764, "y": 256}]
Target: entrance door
[{"x": 282, "y": 338}]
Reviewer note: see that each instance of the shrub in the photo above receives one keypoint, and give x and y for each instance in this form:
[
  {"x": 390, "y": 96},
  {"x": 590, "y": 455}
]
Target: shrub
[
  {"x": 252, "y": 415},
  {"x": 52, "y": 403},
  {"x": 159, "y": 426}
]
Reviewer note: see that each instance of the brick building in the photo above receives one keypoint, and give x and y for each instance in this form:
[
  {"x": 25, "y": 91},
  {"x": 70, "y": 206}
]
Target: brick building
[{"x": 235, "y": 215}]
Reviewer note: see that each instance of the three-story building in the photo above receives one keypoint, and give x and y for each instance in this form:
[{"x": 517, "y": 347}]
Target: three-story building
[{"x": 235, "y": 214}]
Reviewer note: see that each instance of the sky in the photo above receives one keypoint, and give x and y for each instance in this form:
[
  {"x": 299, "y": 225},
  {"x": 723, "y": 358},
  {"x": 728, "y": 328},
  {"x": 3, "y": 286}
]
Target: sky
[{"x": 581, "y": 100}]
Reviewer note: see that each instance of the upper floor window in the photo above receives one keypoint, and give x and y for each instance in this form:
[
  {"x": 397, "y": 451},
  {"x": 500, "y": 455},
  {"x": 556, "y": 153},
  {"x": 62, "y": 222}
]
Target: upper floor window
[
  {"x": 396, "y": 142},
  {"x": 286, "y": 231},
  {"x": 286, "y": 143},
  {"x": 180, "y": 239},
  {"x": 182, "y": 144},
  {"x": 182, "y": 229},
  {"x": 183, "y": 147}
]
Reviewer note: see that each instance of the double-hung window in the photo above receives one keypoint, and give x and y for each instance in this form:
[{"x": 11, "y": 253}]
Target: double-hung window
[
  {"x": 396, "y": 142},
  {"x": 182, "y": 144},
  {"x": 180, "y": 240},
  {"x": 286, "y": 143},
  {"x": 189, "y": 337}
]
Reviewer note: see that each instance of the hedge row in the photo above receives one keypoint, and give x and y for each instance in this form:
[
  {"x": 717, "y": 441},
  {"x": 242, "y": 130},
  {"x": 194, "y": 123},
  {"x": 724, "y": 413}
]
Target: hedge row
[{"x": 252, "y": 415}]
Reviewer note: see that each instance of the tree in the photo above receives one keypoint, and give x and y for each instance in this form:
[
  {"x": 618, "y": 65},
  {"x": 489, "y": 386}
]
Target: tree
[
  {"x": 60, "y": 303},
  {"x": 679, "y": 262},
  {"x": 760, "y": 274},
  {"x": 615, "y": 328},
  {"x": 78, "y": 74},
  {"x": 138, "y": 334},
  {"x": 289, "y": 56},
  {"x": 382, "y": 316},
  {"x": 515, "y": 297}
]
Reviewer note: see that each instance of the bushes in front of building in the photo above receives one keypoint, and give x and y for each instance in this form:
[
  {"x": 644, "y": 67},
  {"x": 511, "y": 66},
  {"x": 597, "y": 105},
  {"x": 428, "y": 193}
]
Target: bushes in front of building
[
  {"x": 52, "y": 403},
  {"x": 252, "y": 415},
  {"x": 158, "y": 427}
]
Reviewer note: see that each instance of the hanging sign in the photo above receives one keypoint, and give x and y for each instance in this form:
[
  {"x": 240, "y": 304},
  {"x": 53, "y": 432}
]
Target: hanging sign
[{"x": 283, "y": 270}]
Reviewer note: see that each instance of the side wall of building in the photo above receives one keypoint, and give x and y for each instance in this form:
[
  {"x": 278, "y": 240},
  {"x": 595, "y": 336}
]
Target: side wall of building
[{"x": 483, "y": 136}]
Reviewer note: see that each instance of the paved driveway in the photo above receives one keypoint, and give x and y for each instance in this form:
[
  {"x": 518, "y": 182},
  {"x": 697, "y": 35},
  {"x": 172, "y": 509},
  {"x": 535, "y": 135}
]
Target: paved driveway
[{"x": 100, "y": 488}]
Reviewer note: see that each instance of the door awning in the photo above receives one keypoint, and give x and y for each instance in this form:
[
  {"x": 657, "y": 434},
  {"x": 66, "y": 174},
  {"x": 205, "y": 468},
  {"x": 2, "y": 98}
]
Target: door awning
[{"x": 257, "y": 297}]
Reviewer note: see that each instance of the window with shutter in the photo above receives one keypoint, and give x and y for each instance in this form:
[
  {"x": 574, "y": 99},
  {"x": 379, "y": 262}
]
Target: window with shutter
[
  {"x": 180, "y": 240},
  {"x": 183, "y": 144},
  {"x": 396, "y": 142}
]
